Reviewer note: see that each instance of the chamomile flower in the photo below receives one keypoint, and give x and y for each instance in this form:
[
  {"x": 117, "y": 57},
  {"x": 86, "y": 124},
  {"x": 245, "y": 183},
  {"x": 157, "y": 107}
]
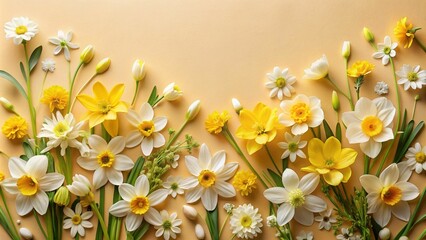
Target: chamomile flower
[
  {"x": 77, "y": 220},
  {"x": 411, "y": 77},
  {"x": 416, "y": 158},
  {"x": 172, "y": 184},
  {"x": 246, "y": 221},
  {"x": 293, "y": 147},
  {"x": 280, "y": 81},
  {"x": 381, "y": 88},
  {"x": 386, "y": 50},
  {"x": 20, "y": 29},
  {"x": 48, "y": 65},
  {"x": 271, "y": 221},
  {"x": 325, "y": 220},
  {"x": 169, "y": 226},
  {"x": 305, "y": 236},
  {"x": 63, "y": 42}
]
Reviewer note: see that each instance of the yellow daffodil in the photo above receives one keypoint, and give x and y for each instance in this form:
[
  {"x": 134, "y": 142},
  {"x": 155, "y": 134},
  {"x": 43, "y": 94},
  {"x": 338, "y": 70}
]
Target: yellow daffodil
[
  {"x": 403, "y": 32},
  {"x": 330, "y": 160},
  {"x": 215, "y": 121},
  {"x": 104, "y": 106},
  {"x": 56, "y": 97},
  {"x": 360, "y": 68},
  {"x": 258, "y": 126},
  {"x": 15, "y": 128}
]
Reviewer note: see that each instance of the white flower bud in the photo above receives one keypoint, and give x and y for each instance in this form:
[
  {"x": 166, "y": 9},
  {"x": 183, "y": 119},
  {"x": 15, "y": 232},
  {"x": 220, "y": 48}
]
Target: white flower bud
[
  {"x": 404, "y": 238},
  {"x": 193, "y": 110},
  {"x": 172, "y": 92},
  {"x": 138, "y": 70},
  {"x": 384, "y": 234},
  {"x": 25, "y": 233},
  {"x": 189, "y": 212},
  {"x": 335, "y": 102},
  {"x": 237, "y": 105},
  {"x": 7, "y": 104},
  {"x": 103, "y": 65},
  {"x": 346, "y": 49},
  {"x": 199, "y": 232}
]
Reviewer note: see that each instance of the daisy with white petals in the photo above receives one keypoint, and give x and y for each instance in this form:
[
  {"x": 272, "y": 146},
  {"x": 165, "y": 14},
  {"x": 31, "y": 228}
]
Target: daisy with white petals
[
  {"x": 411, "y": 77},
  {"x": 169, "y": 226},
  {"x": 416, "y": 158},
  {"x": 246, "y": 221},
  {"x": 209, "y": 178},
  {"x": 388, "y": 194},
  {"x": 280, "y": 81},
  {"x": 386, "y": 50},
  {"x": 77, "y": 220},
  {"x": 20, "y": 29},
  {"x": 105, "y": 159},
  {"x": 370, "y": 124},
  {"x": 172, "y": 184},
  {"x": 318, "y": 69},
  {"x": 30, "y": 182},
  {"x": 148, "y": 129},
  {"x": 305, "y": 236},
  {"x": 345, "y": 235},
  {"x": 293, "y": 147},
  {"x": 63, "y": 41},
  {"x": 325, "y": 220},
  {"x": 296, "y": 199}
]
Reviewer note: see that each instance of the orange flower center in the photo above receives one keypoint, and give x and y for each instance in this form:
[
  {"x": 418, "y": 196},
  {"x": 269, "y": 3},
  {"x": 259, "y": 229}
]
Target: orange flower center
[
  {"x": 300, "y": 112},
  {"x": 372, "y": 126},
  {"x": 391, "y": 195},
  {"x": 139, "y": 205}
]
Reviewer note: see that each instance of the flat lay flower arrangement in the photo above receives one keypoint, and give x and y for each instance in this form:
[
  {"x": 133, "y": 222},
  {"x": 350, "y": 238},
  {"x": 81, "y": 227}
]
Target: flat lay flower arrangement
[{"x": 381, "y": 135}]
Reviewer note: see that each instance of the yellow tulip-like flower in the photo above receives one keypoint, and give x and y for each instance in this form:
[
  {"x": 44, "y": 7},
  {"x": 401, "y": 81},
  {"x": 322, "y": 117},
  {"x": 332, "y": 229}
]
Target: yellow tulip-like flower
[
  {"x": 360, "y": 68},
  {"x": 258, "y": 126},
  {"x": 215, "y": 121},
  {"x": 403, "y": 32},
  {"x": 103, "y": 108},
  {"x": 330, "y": 160},
  {"x": 15, "y": 128},
  {"x": 56, "y": 97}
]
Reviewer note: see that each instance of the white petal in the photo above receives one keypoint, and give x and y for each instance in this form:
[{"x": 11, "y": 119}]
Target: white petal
[
  {"x": 371, "y": 183},
  {"x": 401, "y": 210},
  {"x": 159, "y": 140},
  {"x": 117, "y": 144},
  {"x": 299, "y": 129},
  {"x": 384, "y": 136},
  {"x": 218, "y": 161},
  {"x": 383, "y": 215},
  {"x": 160, "y": 123},
  {"x": 81, "y": 231},
  {"x": 157, "y": 197},
  {"x": 120, "y": 208},
  {"x": 40, "y": 202},
  {"x": 371, "y": 148},
  {"x": 192, "y": 165},
  {"x": 204, "y": 157},
  {"x": 115, "y": 177},
  {"x": 284, "y": 214},
  {"x": 147, "y": 146},
  {"x": 123, "y": 163},
  {"x": 67, "y": 224},
  {"x": 354, "y": 134},
  {"x": 290, "y": 179},
  {"x": 189, "y": 183},
  {"x": 194, "y": 194},
  {"x": 153, "y": 217},
  {"x": 127, "y": 191},
  {"x": 10, "y": 186},
  {"x": 68, "y": 212},
  {"x": 224, "y": 189},
  {"x": 309, "y": 183},
  {"x": 142, "y": 186},
  {"x": 99, "y": 178},
  {"x": 276, "y": 195},
  {"x": 97, "y": 143},
  {"x": 228, "y": 171},
  {"x": 133, "y": 221},
  {"x": 133, "y": 118},
  {"x": 314, "y": 204},
  {"x": 17, "y": 167},
  {"x": 390, "y": 175},
  {"x": 303, "y": 216},
  {"x": 37, "y": 166},
  {"x": 133, "y": 139},
  {"x": 90, "y": 164},
  {"x": 51, "y": 181},
  {"x": 147, "y": 113},
  {"x": 409, "y": 190},
  {"x": 209, "y": 199},
  {"x": 23, "y": 204}
]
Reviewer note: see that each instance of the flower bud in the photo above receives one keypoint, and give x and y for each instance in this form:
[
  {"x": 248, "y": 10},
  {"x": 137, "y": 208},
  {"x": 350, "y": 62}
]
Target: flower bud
[
  {"x": 189, "y": 212},
  {"x": 384, "y": 234},
  {"x": 7, "y": 105},
  {"x": 368, "y": 35},
  {"x": 138, "y": 70},
  {"x": 25, "y": 233},
  {"x": 62, "y": 196},
  {"x": 199, "y": 232},
  {"x": 237, "y": 105},
  {"x": 417, "y": 97},
  {"x": 172, "y": 92},
  {"x": 193, "y": 110},
  {"x": 404, "y": 238},
  {"x": 103, "y": 65},
  {"x": 335, "y": 101},
  {"x": 346, "y": 49},
  {"x": 87, "y": 55}
]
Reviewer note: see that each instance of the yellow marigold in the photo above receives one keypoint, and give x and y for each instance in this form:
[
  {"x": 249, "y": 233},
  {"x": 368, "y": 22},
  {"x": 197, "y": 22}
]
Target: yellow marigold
[
  {"x": 360, "y": 68},
  {"x": 215, "y": 121},
  {"x": 15, "y": 128},
  {"x": 244, "y": 182},
  {"x": 56, "y": 97},
  {"x": 403, "y": 32}
]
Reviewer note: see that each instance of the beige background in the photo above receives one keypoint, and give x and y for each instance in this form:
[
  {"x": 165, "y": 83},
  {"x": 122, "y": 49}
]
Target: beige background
[{"x": 214, "y": 50}]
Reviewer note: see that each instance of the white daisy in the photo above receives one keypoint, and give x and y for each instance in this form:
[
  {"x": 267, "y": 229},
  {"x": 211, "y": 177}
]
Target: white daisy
[
  {"x": 63, "y": 41},
  {"x": 137, "y": 204},
  {"x": 172, "y": 184},
  {"x": 416, "y": 157},
  {"x": 105, "y": 159},
  {"x": 345, "y": 235},
  {"x": 292, "y": 147},
  {"x": 172, "y": 92},
  {"x": 295, "y": 198},
  {"x": 20, "y": 29},
  {"x": 82, "y": 188},
  {"x": 169, "y": 226},
  {"x": 388, "y": 194},
  {"x": 30, "y": 182},
  {"x": 246, "y": 221},
  {"x": 305, "y": 236},
  {"x": 411, "y": 77},
  {"x": 318, "y": 69},
  {"x": 77, "y": 220},
  {"x": 381, "y": 88},
  {"x": 209, "y": 178},
  {"x": 48, "y": 65},
  {"x": 280, "y": 81},
  {"x": 370, "y": 124},
  {"x": 148, "y": 129},
  {"x": 386, "y": 50},
  {"x": 325, "y": 220}
]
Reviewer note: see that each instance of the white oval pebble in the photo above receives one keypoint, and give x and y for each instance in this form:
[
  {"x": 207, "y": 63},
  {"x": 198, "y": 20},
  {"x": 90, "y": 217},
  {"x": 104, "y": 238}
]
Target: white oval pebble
[
  {"x": 199, "y": 232},
  {"x": 26, "y": 233}
]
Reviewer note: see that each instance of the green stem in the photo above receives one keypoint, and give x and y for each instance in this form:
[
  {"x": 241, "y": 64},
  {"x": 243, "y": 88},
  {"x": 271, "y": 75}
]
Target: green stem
[
  {"x": 101, "y": 220},
  {"x": 158, "y": 100},
  {"x": 29, "y": 94},
  {"x": 72, "y": 85},
  {"x": 313, "y": 133},
  {"x": 366, "y": 164},
  {"x": 422, "y": 235},
  {"x": 42, "y": 84},
  {"x": 39, "y": 224},
  {"x": 414, "y": 107},
  {"x": 272, "y": 159},
  {"x": 223, "y": 225},
  {"x": 176, "y": 135},
  {"x": 351, "y": 101},
  {"x": 136, "y": 93},
  {"x": 49, "y": 223},
  {"x": 81, "y": 89},
  {"x": 101, "y": 211},
  {"x": 413, "y": 216},
  {"x": 68, "y": 162},
  {"x": 8, "y": 213},
  {"x": 337, "y": 88},
  {"x": 421, "y": 45}
]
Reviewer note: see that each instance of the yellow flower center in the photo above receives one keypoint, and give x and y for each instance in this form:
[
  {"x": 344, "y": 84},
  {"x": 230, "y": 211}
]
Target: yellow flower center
[
  {"x": 372, "y": 126},
  {"x": 329, "y": 163},
  {"x": 412, "y": 76},
  {"x": 60, "y": 129},
  {"x": 104, "y": 106},
  {"x": 106, "y": 159},
  {"x": 260, "y": 129},
  {"x": 292, "y": 147},
  {"x": 296, "y": 198},
  {"x": 21, "y": 30},
  {"x": 139, "y": 205},
  {"x": 246, "y": 221},
  {"x": 387, "y": 50},
  {"x": 1, "y": 177},
  {"x": 280, "y": 82},
  {"x": 391, "y": 195},
  {"x": 27, "y": 185},
  {"x": 420, "y": 157},
  {"x": 76, "y": 219},
  {"x": 176, "y": 88},
  {"x": 300, "y": 112},
  {"x": 146, "y": 128},
  {"x": 206, "y": 178}
]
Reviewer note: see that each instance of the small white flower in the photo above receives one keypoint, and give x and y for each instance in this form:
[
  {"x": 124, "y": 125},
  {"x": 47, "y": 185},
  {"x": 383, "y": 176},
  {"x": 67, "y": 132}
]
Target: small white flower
[
  {"x": 416, "y": 158},
  {"x": 381, "y": 88},
  {"x": 305, "y": 236},
  {"x": 246, "y": 221},
  {"x": 48, "y": 65},
  {"x": 228, "y": 207},
  {"x": 345, "y": 235},
  {"x": 325, "y": 220},
  {"x": 386, "y": 50},
  {"x": 292, "y": 147},
  {"x": 411, "y": 77},
  {"x": 172, "y": 184},
  {"x": 175, "y": 162},
  {"x": 172, "y": 92},
  {"x": 63, "y": 41},
  {"x": 20, "y": 29},
  {"x": 280, "y": 81},
  {"x": 169, "y": 226},
  {"x": 77, "y": 220},
  {"x": 318, "y": 69},
  {"x": 271, "y": 221}
]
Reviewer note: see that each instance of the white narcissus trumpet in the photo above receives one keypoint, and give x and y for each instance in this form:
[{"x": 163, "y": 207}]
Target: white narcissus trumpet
[{"x": 318, "y": 69}]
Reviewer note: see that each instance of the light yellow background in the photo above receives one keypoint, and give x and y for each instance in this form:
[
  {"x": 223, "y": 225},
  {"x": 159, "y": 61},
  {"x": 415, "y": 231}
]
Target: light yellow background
[{"x": 214, "y": 50}]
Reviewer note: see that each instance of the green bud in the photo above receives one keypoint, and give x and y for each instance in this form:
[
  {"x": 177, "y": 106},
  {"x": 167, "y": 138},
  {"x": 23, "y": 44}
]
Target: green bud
[
  {"x": 368, "y": 35},
  {"x": 417, "y": 97},
  {"x": 7, "y": 105},
  {"x": 335, "y": 101},
  {"x": 346, "y": 49},
  {"x": 87, "y": 55},
  {"x": 103, "y": 65},
  {"x": 62, "y": 196}
]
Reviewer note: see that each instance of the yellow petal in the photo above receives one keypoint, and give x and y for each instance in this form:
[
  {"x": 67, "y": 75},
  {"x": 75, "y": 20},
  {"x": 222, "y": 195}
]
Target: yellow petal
[
  {"x": 333, "y": 178},
  {"x": 332, "y": 148},
  {"x": 347, "y": 157},
  {"x": 100, "y": 91},
  {"x": 264, "y": 115},
  {"x": 271, "y": 135},
  {"x": 88, "y": 102},
  {"x": 121, "y": 107},
  {"x": 95, "y": 119},
  {"x": 315, "y": 152},
  {"x": 246, "y": 133},
  {"x": 258, "y": 109},
  {"x": 253, "y": 146},
  {"x": 262, "y": 139},
  {"x": 322, "y": 170},
  {"x": 310, "y": 169},
  {"x": 347, "y": 172},
  {"x": 111, "y": 126},
  {"x": 247, "y": 118},
  {"x": 116, "y": 93}
]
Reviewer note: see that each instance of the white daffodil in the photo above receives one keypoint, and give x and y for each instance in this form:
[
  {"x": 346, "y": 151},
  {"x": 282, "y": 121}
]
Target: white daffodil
[
  {"x": 137, "y": 204},
  {"x": 280, "y": 81},
  {"x": 209, "y": 176},
  {"x": 172, "y": 184},
  {"x": 30, "y": 182},
  {"x": 411, "y": 77},
  {"x": 20, "y": 29},
  {"x": 386, "y": 50},
  {"x": 82, "y": 188},
  {"x": 301, "y": 113},
  {"x": 305, "y": 236},
  {"x": 416, "y": 158},
  {"x": 296, "y": 199},
  {"x": 169, "y": 226},
  {"x": 77, "y": 220},
  {"x": 48, "y": 65},
  {"x": 172, "y": 92},
  {"x": 318, "y": 69},
  {"x": 292, "y": 147},
  {"x": 63, "y": 41},
  {"x": 381, "y": 88},
  {"x": 325, "y": 220},
  {"x": 388, "y": 194},
  {"x": 246, "y": 221},
  {"x": 61, "y": 131},
  {"x": 105, "y": 159},
  {"x": 148, "y": 129},
  {"x": 370, "y": 124}
]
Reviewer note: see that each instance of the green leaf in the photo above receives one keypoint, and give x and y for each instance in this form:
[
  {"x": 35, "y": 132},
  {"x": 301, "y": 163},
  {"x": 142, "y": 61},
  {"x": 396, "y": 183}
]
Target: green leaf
[
  {"x": 404, "y": 120},
  {"x": 213, "y": 224},
  {"x": 277, "y": 178},
  {"x": 153, "y": 96},
  {"x": 136, "y": 170},
  {"x": 138, "y": 234},
  {"x": 339, "y": 132},
  {"x": 401, "y": 152},
  {"x": 11, "y": 79},
  {"x": 35, "y": 56},
  {"x": 28, "y": 150},
  {"x": 24, "y": 74},
  {"x": 327, "y": 129}
]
